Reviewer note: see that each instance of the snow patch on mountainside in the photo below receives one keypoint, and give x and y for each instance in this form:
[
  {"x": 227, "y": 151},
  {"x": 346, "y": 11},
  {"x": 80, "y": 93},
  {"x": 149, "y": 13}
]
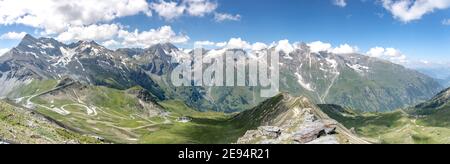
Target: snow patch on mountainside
[
  {"x": 179, "y": 56},
  {"x": 333, "y": 64},
  {"x": 46, "y": 46},
  {"x": 304, "y": 84},
  {"x": 288, "y": 57},
  {"x": 81, "y": 64},
  {"x": 358, "y": 68},
  {"x": 32, "y": 53},
  {"x": 334, "y": 70},
  {"x": 68, "y": 54}
]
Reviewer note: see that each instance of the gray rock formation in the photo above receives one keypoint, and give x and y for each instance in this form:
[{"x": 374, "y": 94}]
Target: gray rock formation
[{"x": 293, "y": 120}]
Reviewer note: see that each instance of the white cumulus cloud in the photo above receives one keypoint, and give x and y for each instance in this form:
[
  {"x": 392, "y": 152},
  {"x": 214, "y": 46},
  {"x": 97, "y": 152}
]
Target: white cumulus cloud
[
  {"x": 204, "y": 43},
  {"x": 200, "y": 7},
  {"x": 220, "y": 17},
  {"x": 111, "y": 44},
  {"x": 319, "y": 46},
  {"x": 116, "y": 36},
  {"x": 3, "y": 51},
  {"x": 13, "y": 35},
  {"x": 164, "y": 34},
  {"x": 390, "y": 54},
  {"x": 258, "y": 46},
  {"x": 55, "y": 16},
  {"x": 345, "y": 49},
  {"x": 170, "y": 10},
  {"x": 340, "y": 3},
  {"x": 92, "y": 32},
  {"x": 221, "y": 44},
  {"x": 284, "y": 46},
  {"x": 410, "y": 10},
  {"x": 376, "y": 52},
  {"x": 238, "y": 43},
  {"x": 446, "y": 22}
]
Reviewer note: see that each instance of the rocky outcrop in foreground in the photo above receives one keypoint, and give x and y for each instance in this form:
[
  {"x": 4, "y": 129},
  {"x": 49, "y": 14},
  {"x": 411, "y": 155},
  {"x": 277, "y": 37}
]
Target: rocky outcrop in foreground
[{"x": 288, "y": 120}]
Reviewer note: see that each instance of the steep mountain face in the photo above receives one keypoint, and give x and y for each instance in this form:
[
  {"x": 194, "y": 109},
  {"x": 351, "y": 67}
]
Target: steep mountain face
[
  {"x": 85, "y": 61},
  {"x": 434, "y": 112},
  {"x": 157, "y": 62},
  {"x": 440, "y": 100},
  {"x": 30, "y": 60},
  {"x": 358, "y": 81},
  {"x": 354, "y": 80},
  {"x": 286, "y": 120}
]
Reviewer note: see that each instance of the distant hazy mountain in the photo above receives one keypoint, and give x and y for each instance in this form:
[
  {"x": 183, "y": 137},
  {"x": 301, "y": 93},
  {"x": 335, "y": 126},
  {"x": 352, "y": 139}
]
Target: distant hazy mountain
[{"x": 441, "y": 74}]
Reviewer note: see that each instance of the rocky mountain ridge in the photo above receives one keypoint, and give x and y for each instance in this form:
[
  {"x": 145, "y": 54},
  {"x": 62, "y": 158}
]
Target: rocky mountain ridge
[{"x": 293, "y": 120}]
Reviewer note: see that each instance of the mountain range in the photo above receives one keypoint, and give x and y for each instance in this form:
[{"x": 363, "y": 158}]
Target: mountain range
[
  {"x": 357, "y": 81},
  {"x": 126, "y": 96}
]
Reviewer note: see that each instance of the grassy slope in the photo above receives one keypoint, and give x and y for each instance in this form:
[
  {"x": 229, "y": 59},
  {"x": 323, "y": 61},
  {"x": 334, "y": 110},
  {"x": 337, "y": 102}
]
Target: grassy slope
[
  {"x": 439, "y": 117},
  {"x": 21, "y": 126},
  {"x": 209, "y": 127},
  {"x": 392, "y": 127},
  {"x": 119, "y": 119},
  {"x": 34, "y": 87},
  {"x": 117, "y": 126},
  {"x": 117, "y": 114}
]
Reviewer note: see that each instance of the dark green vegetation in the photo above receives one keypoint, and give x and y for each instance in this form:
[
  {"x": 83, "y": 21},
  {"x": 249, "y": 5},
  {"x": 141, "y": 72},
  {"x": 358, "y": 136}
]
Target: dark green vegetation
[
  {"x": 435, "y": 112},
  {"x": 205, "y": 127},
  {"x": 129, "y": 116},
  {"x": 426, "y": 123}
]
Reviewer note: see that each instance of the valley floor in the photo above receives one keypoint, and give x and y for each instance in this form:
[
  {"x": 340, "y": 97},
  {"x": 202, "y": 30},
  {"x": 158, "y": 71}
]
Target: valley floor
[
  {"x": 119, "y": 116},
  {"x": 126, "y": 127},
  {"x": 392, "y": 127}
]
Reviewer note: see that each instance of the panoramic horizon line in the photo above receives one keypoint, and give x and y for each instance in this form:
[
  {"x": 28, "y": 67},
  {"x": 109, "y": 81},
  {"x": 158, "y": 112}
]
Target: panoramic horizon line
[{"x": 382, "y": 53}]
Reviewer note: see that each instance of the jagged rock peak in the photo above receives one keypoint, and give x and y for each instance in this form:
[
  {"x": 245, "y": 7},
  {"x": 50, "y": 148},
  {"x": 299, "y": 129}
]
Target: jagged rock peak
[
  {"x": 164, "y": 46},
  {"x": 27, "y": 40}
]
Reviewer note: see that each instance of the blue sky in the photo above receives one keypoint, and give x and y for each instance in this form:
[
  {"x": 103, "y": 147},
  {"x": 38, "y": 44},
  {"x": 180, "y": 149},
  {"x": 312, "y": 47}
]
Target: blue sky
[{"x": 424, "y": 35}]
